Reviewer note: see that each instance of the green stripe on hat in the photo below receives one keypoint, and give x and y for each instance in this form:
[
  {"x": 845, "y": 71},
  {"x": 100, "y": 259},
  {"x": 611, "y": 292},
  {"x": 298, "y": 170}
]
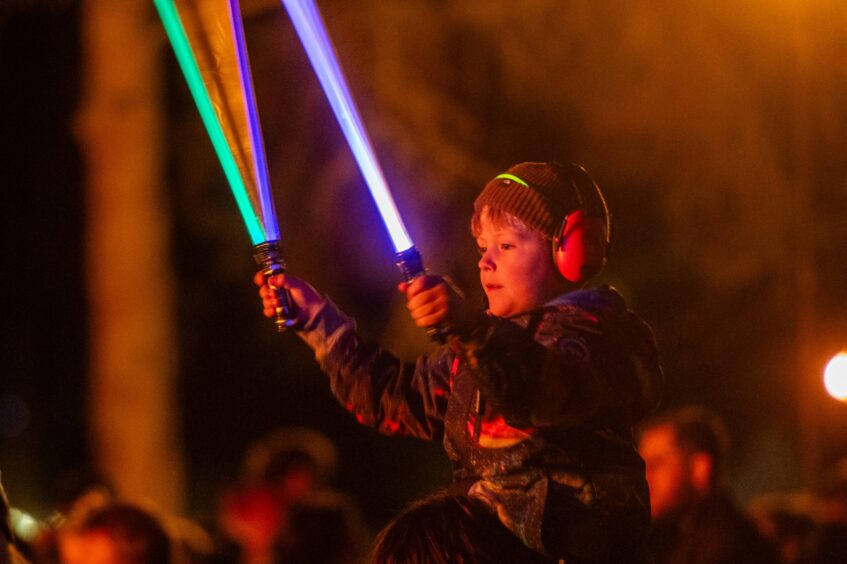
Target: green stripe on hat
[{"x": 508, "y": 176}]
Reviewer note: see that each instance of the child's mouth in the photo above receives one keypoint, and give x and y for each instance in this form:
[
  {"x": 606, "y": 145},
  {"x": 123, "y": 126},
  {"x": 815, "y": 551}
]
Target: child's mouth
[{"x": 492, "y": 287}]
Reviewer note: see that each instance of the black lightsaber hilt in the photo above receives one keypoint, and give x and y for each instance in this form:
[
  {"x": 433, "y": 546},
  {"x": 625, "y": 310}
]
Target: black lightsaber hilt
[
  {"x": 269, "y": 257},
  {"x": 411, "y": 266}
]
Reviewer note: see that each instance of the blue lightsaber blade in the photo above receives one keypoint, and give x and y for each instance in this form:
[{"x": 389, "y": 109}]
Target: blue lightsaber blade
[
  {"x": 312, "y": 33},
  {"x": 310, "y": 28}
]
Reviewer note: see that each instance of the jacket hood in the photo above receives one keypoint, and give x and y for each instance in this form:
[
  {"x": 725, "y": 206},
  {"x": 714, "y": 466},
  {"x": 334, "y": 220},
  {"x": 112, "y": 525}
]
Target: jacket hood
[{"x": 630, "y": 332}]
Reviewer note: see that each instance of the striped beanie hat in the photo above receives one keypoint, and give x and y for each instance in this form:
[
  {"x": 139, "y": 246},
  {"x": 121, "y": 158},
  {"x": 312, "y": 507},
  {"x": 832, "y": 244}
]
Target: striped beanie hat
[{"x": 541, "y": 195}]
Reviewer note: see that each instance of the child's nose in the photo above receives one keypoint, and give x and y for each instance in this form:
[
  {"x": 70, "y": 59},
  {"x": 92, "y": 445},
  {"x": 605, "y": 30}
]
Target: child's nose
[{"x": 485, "y": 262}]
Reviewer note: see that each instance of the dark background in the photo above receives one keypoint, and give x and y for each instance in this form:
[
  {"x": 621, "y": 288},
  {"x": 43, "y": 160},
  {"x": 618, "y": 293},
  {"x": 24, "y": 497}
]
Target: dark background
[{"x": 715, "y": 135}]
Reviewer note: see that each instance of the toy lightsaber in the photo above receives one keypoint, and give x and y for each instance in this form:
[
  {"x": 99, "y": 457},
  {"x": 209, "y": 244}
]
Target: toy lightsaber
[
  {"x": 217, "y": 70},
  {"x": 312, "y": 33}
]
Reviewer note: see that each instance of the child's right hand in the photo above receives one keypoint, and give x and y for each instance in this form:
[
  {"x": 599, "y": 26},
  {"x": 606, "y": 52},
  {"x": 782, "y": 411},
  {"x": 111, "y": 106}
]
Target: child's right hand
[{"x": 306, "y": 299}]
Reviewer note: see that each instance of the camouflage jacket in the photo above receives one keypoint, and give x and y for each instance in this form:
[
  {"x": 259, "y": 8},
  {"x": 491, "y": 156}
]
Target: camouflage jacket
[{"x": 535, "y": 412}]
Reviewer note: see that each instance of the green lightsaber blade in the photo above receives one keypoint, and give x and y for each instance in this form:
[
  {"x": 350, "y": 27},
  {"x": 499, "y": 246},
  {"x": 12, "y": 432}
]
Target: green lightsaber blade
[{"x": 188, "y": 64}]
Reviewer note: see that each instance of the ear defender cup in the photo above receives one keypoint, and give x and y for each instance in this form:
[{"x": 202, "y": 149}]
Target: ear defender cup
[{"x": 580, "y": 249}]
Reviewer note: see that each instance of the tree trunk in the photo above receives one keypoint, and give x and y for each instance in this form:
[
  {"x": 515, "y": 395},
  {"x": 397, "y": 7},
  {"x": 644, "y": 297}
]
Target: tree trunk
[{"x": 133, "y": 358}]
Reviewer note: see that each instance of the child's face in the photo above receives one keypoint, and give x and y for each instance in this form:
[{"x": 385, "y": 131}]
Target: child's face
[{"x": 516, "y": 268}]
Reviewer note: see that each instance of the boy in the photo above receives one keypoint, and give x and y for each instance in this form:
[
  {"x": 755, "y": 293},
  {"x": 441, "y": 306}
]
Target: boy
[{"x": 534, "y": 399}]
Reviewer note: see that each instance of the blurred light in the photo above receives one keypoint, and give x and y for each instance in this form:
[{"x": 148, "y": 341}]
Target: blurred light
[
  {"x": 14, "y": 415},
  {"x": 26, "y": 527},
  {"x": 835, "y": 377}
]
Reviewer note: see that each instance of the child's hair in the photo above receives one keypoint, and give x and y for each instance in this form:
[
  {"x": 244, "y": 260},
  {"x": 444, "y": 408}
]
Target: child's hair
[{"x": 499, "y": 219}]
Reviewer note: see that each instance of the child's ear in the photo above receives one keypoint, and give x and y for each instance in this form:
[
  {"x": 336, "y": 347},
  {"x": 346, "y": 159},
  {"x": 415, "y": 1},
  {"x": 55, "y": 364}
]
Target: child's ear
[
  {"x": 579, "y": 252},
  {"x": 701, "y": 471}
]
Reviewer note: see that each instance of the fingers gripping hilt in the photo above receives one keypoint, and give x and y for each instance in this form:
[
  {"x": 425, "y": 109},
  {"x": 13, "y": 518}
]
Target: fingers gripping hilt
[
  {"x": 269, "y": 257},
  {"x": 411, "y": 266}
]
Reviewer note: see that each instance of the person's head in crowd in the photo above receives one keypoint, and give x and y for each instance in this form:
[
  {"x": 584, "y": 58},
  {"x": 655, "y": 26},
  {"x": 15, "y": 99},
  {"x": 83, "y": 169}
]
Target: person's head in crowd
[
  {"x": 116, "y": 534},
  {"x": 81, "y": 491},
  {"x": 279, "y": 470},
  {"x": 829, "y": 541},
  {"x": 292, "y": 461},
  {"x": 445, "y": 529},
  {"x": 786, "y": 520},
  {"x": 831, "y": 493},
  {"x": 685, "y": 451},
  {"x": 324, "y": 527}
]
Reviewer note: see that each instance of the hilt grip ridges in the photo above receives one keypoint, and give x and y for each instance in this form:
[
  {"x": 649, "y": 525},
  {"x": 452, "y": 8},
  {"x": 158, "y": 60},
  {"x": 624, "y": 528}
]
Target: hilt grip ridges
[{"x": 268, "y": 256}]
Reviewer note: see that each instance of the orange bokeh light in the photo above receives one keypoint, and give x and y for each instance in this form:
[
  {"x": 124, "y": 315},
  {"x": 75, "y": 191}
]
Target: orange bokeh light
[{"x": 835, "y": 377}]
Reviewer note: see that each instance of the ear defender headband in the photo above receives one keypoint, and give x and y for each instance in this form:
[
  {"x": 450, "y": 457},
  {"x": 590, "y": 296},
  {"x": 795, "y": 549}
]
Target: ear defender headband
[
  {"x": 580, "y": 251},
  {"x": 581, "y": 241},
  {"x": 581, "y": 246}
]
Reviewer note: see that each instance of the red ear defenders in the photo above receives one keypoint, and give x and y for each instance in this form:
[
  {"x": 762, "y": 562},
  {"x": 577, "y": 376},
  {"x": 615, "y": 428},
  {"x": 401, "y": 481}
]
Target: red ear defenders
[
  {"x": 579, "y": 250},
  {"x": 582, "y": 243}
]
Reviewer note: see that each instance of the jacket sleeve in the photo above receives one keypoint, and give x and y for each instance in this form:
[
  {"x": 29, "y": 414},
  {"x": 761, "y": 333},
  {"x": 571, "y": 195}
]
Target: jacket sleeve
[
  {"x": 564, "y": 369},
  {"x": 395, "y": 397}
]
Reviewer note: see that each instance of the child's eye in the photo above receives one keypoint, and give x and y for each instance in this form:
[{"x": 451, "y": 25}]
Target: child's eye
[
  {"x": 481, "y": 250},
  {"x": 506, "y": 246}
]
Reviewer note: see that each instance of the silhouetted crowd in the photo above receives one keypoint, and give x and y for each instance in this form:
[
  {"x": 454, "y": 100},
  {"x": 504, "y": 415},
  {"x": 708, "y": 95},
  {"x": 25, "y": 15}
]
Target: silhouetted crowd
[{"x": 283, "y": 510}]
